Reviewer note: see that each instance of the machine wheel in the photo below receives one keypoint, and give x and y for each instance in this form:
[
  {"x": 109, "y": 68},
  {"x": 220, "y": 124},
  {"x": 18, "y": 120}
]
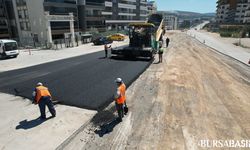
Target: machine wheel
[
  {"x": 2, "y": 56},
  {"x": 152, "y": 56}
]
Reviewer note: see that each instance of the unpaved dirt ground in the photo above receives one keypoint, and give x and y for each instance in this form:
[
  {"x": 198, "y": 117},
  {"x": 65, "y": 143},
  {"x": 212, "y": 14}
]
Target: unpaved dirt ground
[{"x": 196, "y": 94}]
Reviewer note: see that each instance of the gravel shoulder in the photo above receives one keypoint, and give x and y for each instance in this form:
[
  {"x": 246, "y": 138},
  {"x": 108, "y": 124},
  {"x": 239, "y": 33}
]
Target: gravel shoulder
[{"x": 195, "y": 94}]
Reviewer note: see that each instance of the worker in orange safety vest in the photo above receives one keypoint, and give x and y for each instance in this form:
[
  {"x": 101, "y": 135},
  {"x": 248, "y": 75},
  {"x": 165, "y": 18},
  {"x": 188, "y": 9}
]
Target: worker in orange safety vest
[
  {"x": 106, "y": 48},
  {"x": 42, "y": 97},
  {"x": 120, "y": 98}
]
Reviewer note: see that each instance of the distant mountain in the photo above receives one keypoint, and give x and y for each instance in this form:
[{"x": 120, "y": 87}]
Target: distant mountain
[
  {"x": 188, "y": 15},
  {"x": 210, "y": 14}
]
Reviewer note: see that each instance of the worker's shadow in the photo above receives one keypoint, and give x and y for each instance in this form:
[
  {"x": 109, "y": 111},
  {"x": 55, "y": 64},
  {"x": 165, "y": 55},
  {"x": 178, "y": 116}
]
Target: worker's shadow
[
  {"x": 30, "y": 124},
  {"x": 107, "y": 128}
]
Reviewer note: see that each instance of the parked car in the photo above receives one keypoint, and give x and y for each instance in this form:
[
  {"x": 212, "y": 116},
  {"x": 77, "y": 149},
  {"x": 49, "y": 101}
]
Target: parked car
[
  {"x": 117, "y": 37},
  {"x": 102, "y": 41}
]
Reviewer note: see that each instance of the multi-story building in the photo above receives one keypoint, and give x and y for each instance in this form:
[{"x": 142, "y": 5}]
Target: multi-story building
[
  {"x": 7, "y": 20},
  {"x": 152, "y": 7},
  {"x": 170, "y": 20},
  {"x": 61, "y": 7},
  {"x": 247, "y": 14},
  {"x": 4, "y": 26},
  {"x": 31, "y": 21},
  {"x": 118, "y": 13},
  {"x": 32, "y": 25},
  {"x": 233, "y": 11},
  {"x": 225, "y": 11},
  {"x": 90, "y": 15},
  {"x": 242, "y": 11}
]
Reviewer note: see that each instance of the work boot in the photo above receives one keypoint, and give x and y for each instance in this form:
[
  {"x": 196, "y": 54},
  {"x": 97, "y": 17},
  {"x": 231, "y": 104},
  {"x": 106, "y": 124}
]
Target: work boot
[
  {"x": 42, "y": 118},
  {"x": 119, "y": 119}
]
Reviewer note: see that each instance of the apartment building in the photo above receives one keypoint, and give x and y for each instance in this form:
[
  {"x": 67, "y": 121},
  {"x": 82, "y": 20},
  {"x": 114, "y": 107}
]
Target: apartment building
[
  {"x": 4, "y": 26},
  {"x": 170, "y": 21},
  {"x": 152, "y": 7},
  {"x": 7, "y": 20},
  {"x": 247, "y": 14},
  {"x": 30, "y": 17},
  {"x": 32, "y": 23},
  {"x": 118, "y": 13},
  {"x": 90, "y": 15},
  {"x": 233, "y": 11},
  {"x": 243, "y": 11},
  {"x": 226, "y": 11}
]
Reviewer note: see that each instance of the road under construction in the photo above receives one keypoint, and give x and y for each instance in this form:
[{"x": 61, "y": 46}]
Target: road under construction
[
  {"x": 195, "y": 94},
  {"x": 85, "y": 81}
]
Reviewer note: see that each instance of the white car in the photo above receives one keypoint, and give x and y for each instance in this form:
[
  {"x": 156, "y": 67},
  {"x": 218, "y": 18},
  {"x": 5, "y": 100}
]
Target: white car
[{"x": 8, "y": 48}]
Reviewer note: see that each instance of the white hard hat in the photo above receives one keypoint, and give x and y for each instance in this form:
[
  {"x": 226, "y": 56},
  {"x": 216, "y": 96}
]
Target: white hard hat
[
  {"x": 118, "y": 80},
  {"x": 39, "y": 84}
]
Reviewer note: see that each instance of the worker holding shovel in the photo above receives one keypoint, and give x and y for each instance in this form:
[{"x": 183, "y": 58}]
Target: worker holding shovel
[{"x": 42, "y": 97}]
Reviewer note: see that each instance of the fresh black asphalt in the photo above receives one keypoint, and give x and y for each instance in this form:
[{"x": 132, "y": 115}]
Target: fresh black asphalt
[{"x": 85, "y": 81}]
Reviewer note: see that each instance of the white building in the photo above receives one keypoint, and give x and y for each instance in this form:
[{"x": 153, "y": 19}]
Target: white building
[
  {"x": 32, "y": 23},
  {"x": 170, "y": 21}
]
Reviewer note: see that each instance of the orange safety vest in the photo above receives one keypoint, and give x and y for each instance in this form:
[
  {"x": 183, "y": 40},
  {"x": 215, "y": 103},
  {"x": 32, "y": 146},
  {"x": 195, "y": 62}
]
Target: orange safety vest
[
  {"x": 122, "y": 90},
  {"x": 40, "y": 92}
]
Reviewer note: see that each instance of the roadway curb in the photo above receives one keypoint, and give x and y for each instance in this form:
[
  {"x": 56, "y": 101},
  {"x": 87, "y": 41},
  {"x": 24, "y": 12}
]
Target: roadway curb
[
  {"x": 71, "y": 137},
  {"x": 219, "y": 51}
]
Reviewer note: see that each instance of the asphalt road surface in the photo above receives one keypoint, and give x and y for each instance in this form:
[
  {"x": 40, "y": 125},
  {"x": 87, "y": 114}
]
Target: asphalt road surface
[{"x": 85, "y": 81}]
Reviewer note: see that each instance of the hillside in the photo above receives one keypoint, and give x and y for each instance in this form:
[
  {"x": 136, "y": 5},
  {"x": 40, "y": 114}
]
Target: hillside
[{"x": 188, "y": 15}]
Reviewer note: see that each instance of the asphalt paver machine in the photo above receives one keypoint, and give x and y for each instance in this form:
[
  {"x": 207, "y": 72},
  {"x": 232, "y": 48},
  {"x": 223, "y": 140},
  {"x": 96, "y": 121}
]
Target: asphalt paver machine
[{"x": 144, "y": 38}]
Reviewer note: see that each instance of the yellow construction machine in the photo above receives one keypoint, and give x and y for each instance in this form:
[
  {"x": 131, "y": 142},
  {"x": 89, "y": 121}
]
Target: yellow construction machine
[{"x": 144, "y": 38}]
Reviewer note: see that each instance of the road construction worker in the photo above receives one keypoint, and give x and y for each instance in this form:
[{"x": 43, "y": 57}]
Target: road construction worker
[
  {"x": 161, "y": 50},
  {"x": 42, "y": 97},
  {"x": 167, "y": 41},
  {"x": 120, "y": 98},
  {"x": 106, "y": 47}
]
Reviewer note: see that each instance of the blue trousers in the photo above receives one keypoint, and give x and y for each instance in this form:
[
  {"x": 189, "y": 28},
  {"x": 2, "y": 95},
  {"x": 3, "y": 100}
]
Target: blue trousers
[
  {"x": 42, "y": 106},
  {"x": 120, "y": 111}
]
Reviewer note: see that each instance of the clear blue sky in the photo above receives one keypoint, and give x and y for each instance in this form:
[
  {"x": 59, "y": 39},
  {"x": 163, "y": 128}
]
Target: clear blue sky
[{"x": 201, "y": 6}]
